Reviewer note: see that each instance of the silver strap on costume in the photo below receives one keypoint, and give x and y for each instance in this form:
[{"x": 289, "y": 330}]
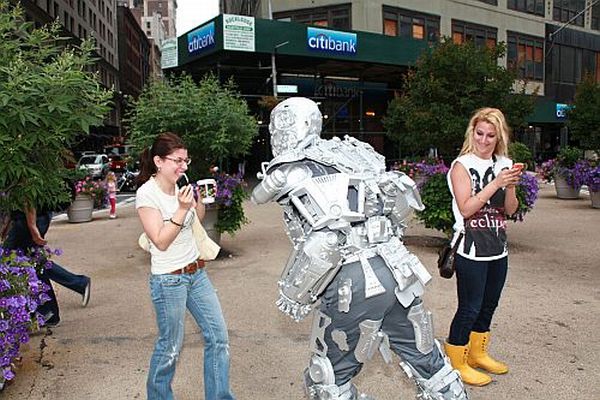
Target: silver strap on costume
[{"x": 372, "y": 285}]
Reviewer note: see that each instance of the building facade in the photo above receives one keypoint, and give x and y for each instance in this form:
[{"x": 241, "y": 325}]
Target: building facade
[
  {"x": 88, "y": 19},
  {"x": 134, "y": 53},
  {"x": 551, "y": 43}
]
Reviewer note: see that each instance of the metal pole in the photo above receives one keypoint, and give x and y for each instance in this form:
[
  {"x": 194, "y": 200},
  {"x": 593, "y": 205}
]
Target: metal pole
[{"x": 274, "y": 71}]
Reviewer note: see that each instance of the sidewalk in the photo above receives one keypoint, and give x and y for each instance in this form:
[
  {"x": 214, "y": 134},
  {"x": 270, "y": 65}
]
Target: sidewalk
[{"x": 546, "y": 327}]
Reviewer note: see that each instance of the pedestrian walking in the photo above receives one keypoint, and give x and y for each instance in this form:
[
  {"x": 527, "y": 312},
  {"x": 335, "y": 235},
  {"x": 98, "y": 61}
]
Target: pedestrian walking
[
  {"x": 482, "y": 182},
  {"x": 178, "y": 279},
  {"x": 28, "y": 229}
]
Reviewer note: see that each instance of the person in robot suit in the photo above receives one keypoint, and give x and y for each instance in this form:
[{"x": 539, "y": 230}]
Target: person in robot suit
[{"x": 345, "y": 216}]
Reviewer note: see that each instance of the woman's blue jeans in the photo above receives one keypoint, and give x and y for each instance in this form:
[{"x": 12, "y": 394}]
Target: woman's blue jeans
[
  {"x": 171, "y": 295},
  {"x": 479, "y": 285}
]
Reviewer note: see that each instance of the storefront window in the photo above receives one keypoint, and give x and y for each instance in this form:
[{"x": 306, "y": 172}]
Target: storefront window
[
  {"x": 481, "y": 35},
  {"x": 412, "y": 24},
  {"x": 564, "y": 10},
  {"x": 526, "y": 55}
]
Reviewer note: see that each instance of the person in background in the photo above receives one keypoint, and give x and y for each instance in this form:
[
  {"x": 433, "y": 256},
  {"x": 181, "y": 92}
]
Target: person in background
[
  {"x": 111, "y": 188},
  {"x": 28, "y": 229},
  {"x": 482, "y": 182},
  {"x": 178, "y": 279}
]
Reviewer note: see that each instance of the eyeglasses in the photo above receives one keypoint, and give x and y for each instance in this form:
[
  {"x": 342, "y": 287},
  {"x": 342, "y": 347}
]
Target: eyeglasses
[{"x": 180, "y": 161}]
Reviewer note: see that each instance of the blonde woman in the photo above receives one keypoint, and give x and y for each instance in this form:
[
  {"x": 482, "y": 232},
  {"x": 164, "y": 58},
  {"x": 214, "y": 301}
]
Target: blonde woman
[{"x": 482, "y": 182}]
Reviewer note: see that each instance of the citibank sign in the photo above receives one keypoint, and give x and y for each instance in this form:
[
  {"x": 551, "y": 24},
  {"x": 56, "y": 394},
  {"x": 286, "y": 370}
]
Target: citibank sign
[
  {"x": 325, "y": 40},
  {"x": 201, "y": 39}
]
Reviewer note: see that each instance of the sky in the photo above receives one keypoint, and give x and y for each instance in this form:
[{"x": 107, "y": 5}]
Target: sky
[{"x": 191, "y": 13}]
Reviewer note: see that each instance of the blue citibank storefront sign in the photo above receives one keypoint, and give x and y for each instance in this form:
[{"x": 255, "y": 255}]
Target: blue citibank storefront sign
[
  {"x": 332, "y": 42},
  {"x": 201, "y": 39}
]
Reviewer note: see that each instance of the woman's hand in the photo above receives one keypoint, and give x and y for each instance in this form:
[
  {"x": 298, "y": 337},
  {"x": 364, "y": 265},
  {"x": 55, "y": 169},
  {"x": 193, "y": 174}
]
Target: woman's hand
[
  {"x": 508, "y": 177},
  {"x": 185, "y": 197}
]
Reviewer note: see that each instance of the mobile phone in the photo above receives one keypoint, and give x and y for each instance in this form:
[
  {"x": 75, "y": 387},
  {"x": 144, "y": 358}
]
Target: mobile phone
[
  {"x": 183, "y": 181},
  {"x": 520, "y": 166}
]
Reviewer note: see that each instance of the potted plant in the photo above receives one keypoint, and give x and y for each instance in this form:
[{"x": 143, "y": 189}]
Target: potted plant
[
  {"x": 21, "y": 292},
  {"x": 88, "y": 194},
  {"x": 592, "y": 180},
  {"x": 568, "y": 171},
  {"x": 226, "y": 214}
]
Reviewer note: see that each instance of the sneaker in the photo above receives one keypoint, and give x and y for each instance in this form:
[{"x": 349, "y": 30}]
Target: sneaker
[
  {"x": 112, "y": 216},
  {"x": 50, "y": 321},
  {"x": 52, "y": 324},
  {"x": 85, "y": 297}
]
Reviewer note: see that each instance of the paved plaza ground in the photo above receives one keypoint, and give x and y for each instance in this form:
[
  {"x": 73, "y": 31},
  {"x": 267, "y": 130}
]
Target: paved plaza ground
[{"x": 546, "y": 329}]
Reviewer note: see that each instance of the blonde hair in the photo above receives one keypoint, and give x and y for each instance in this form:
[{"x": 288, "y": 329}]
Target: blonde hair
[
  {"x": 111, "y": 176},
  {"x": 491, "y": 116}
]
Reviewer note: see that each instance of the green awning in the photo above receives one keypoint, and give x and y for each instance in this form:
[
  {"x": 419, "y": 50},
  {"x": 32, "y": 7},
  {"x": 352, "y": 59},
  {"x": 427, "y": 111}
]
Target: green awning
[{"x": 545, "y": 112}]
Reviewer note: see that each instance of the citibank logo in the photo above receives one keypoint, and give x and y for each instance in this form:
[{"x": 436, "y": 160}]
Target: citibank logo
[
  {"x": 331, "y": 41},
  {"x": 201, "y": 39}
]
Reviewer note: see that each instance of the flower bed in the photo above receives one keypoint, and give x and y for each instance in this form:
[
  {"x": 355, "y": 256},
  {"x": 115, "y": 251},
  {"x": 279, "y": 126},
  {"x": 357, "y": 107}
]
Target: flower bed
[{"x": 21, "y": 292}]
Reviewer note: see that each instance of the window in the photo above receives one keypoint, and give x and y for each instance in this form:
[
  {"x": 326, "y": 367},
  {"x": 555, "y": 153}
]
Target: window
[
  {"x": 526, "y": 55},
  {"x": 481, "y": 35},
  {"x": 566, "y": 64},
  {"x": 412, "y": 24},
  {"x": 564, "y": 10},
  {"x": 337, "y": 17},
  {"x": 596, "y": 17},
  {"x": 492, "y": 2},
  {"x": 528, "y": 6}
]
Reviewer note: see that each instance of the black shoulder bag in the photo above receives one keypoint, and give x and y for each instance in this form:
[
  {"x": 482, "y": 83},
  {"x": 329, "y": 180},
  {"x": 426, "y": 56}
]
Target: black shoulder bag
[{"x": 447, "y": 257}]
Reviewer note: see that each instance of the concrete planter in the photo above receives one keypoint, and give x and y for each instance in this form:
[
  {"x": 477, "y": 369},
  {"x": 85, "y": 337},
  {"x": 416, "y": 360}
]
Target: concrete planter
[
  {"x": 209, "y": 221},
  {"x": 595, "y": 197},
  {"x": 81, "y": 208},
  {"x": 564, "y": 190}
]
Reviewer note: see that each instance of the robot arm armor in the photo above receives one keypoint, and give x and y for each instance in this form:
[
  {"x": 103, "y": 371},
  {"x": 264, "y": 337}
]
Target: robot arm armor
[{"x": 309, "y": 270}]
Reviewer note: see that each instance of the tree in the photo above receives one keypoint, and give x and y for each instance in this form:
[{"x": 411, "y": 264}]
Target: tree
[
  {"x": 213, "y": 120},
  {"x": 48, "y": 98},
  {"x": 583, "y": 117},
  {"x": 443, "y": 90}
]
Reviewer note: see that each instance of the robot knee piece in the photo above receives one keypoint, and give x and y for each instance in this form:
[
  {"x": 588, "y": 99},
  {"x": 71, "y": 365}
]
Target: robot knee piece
[{"x": 422, "y": 323}]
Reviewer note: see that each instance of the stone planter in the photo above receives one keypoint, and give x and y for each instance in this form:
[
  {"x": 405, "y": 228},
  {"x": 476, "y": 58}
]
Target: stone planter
[
  {"x": 595, "y": 197},
  {"x": 564, "y": 190},
  {"x": 81, "y": 208},
  {"x": 209, "y": 221}
]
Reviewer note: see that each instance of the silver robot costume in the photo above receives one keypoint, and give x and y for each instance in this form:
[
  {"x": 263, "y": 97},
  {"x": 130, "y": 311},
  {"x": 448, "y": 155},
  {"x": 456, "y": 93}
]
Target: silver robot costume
[{"x": 345, "y": 216}]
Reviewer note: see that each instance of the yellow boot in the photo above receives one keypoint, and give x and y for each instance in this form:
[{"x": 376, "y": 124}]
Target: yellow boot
[
  {"x": 458, "y": 358},
  {"x": 479, "y": 357}
]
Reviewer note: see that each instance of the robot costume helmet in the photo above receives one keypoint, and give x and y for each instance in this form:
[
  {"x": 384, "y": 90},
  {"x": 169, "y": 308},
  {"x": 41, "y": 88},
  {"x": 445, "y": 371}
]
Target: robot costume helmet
[{"x": 293, "y": 121}]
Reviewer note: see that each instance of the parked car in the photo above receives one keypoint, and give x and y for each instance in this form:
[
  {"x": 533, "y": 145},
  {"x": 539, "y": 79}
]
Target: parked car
[
  {"x": 117, "y": 163},
  {"x": 95, "y": 165}
]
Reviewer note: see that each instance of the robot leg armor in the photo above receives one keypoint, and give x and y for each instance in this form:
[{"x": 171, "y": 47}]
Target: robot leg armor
[{"x": 445, "y": 384}]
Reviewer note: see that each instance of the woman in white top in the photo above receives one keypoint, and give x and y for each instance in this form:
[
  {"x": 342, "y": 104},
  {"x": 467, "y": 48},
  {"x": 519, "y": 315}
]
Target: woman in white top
[
  {"x": 482, "y": 182},
  {"x": 178, "y": 279}
]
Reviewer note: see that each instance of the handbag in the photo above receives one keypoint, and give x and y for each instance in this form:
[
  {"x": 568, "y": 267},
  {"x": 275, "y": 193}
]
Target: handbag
[
  {"x": 447, "y": 258},
  {"x": 209, "y": 250}
]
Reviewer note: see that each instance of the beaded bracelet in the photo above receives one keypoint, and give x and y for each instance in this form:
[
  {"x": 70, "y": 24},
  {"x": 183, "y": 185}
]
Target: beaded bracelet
[{"x": 175, "y": 223}]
